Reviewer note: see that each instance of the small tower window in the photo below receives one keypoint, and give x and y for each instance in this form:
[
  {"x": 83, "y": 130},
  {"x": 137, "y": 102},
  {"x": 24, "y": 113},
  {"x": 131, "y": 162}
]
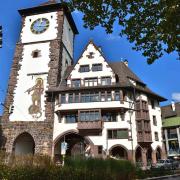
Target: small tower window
[
  {"x": 36, "y": 53},
  {"x": 66, "y": 63}
]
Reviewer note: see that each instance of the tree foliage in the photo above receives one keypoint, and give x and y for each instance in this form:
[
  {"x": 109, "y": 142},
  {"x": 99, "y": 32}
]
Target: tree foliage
[{"x": 152, "y": 25}]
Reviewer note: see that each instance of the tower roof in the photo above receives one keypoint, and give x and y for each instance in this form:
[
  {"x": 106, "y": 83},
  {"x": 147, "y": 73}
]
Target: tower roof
[{"x": 50, "y": 6}]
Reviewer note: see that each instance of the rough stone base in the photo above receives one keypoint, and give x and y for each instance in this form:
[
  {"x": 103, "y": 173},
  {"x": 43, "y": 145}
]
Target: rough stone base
[{"x": 40, "y": 131}]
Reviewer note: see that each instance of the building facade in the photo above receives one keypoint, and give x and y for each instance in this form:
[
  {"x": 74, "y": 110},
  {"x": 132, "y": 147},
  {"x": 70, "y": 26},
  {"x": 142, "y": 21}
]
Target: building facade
[
  {"x": 100, "y": 109},
  {"x": 171, "y": 129}
]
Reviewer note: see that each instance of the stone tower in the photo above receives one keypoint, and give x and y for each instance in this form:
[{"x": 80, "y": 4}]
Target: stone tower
[{"x": 44, "y": 49}]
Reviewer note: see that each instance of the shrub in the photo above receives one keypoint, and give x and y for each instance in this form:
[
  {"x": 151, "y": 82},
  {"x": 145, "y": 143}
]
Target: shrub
[{"x": 41, "y": 168}]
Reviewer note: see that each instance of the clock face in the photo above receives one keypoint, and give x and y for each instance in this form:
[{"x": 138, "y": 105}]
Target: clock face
[{"x": 40, "y": 25}]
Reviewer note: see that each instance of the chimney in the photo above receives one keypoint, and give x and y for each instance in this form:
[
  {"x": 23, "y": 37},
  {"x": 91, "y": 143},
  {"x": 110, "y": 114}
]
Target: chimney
[
  {"x": 173, "y": 105},
  {"x": 125, "y": 62}
]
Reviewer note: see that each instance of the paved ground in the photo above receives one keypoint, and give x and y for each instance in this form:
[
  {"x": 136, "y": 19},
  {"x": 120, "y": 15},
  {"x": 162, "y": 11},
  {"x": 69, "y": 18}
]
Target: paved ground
[{"x": 175, "y": 178}]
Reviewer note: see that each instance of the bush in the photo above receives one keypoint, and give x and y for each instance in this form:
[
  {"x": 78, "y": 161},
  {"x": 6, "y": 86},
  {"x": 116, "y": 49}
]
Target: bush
[
  {"x": 42, "y": 168},
  {"x": 142, "y": 174},
  {"x": 115, "y": 169}
]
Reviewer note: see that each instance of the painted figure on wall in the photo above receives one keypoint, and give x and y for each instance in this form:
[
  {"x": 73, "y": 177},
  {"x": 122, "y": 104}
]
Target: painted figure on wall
[{"x": 37, "y": 90}]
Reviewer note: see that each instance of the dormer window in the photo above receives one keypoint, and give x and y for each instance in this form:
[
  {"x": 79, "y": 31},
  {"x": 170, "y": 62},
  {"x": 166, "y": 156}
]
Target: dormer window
[
  {"x": 84, "y": 68},
  {"x": 97, "y": 67},
  {"x": 36, "y": 53}
]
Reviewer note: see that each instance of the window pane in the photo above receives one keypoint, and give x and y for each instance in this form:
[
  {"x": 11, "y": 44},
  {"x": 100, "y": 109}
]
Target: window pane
[
  {"x": 122, "y": 134},
  {"x": 117, "y": 96},
  {"x": 84, "y": 68},
  {"x": 97, "y": 116},
  {"x": 76, "y": 83},
  {"x": 102, "y": 96},
  {"x": 82, "y": 116},
  {"x": 70, "y": 98},
  {"x": 114, "y": 134},
  {"x": 76, "y": 98},
  {"x": 97, "y": 67},
  {"x": 63, "y": 99},
  {"x": 110, "y": 134},
  {"x": 109, "y": 96},
  {"x": 71, "y": 118},
  {"x": 106, "y": 81}
]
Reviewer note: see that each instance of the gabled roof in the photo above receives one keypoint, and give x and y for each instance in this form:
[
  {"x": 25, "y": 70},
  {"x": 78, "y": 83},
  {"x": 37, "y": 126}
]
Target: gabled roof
[
  {"x": 96, "y": 47},
  {"x": 48, "y": 3},
  {"x": 168, "y": 112},
  {"x": 122, "y": 71},
  {"x": 50, "y": 6},
  {"x": 170, "y": 122}
]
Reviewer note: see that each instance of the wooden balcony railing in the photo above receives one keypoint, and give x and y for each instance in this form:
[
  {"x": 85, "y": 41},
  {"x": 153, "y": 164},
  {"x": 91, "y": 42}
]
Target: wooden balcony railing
[
  {"x": 90, "y": 125},
  {"x": 144, "y": 137}
]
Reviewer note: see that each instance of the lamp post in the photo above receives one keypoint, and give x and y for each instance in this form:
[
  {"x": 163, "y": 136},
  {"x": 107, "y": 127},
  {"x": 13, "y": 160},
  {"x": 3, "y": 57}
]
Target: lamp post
[{"x": 131, "y": 110}]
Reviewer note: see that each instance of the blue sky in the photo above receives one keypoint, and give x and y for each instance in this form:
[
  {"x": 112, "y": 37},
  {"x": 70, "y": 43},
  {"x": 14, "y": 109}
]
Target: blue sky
[{"x": 163, "y": 77}]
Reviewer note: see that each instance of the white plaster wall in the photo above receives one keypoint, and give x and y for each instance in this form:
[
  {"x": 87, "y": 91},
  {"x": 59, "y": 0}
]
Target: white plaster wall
[
  {"x": 61, "y": 127},
  {"x": 65, "y": 57},
  {"x": 22, "y": 100},
  {"x": 84, "y": 60},
  {"x": 156, "y": 112},
  {"x": 51, "y": 33},
  {"x": 68, "y": 36},
  {"x": 91, "y": 105}
]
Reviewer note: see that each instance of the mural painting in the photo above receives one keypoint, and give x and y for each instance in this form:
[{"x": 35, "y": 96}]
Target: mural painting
[{"x": 36, "y": 92}]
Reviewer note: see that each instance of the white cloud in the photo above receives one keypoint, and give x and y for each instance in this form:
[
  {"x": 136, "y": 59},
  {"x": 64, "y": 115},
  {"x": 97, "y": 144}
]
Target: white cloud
[
  {"x": 113, "y": 37},
  {"x": 176, "y": 96}
]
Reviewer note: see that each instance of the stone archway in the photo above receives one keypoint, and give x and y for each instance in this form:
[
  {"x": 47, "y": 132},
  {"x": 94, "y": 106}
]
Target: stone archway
[
  {"x": 24, "y": 144},
  {"x": 77, "y": 145},
  {"x": 158, "y": 153},
  {"x": 149, "y": 156},
  {"x": 138, "y": 155},
  {"x": 119, "y": 152}
]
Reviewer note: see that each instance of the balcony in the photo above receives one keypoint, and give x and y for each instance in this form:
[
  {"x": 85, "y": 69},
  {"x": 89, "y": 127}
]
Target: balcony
[
  {"x": 84, "y": 125},
  {"x": 144, "y": 137},
  {"x": 142, "y": 115},
  {"x": 90, "y": 127},
  {"x": 172, "y": 136}
]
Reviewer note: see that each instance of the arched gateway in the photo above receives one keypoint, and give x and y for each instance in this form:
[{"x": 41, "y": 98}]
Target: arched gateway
[
  {"x": 77, "y": 145},
  {"x": 118, "y": 151},
  {"x": 24, "y": 144}
]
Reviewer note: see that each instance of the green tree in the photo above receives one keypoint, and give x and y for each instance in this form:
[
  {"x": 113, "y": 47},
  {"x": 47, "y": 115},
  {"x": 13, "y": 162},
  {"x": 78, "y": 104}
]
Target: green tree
[{"x": 152, "y": 25}]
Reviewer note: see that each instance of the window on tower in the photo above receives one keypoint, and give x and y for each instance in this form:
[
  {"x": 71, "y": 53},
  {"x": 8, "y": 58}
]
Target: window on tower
[{"x": 36, "y": 53}]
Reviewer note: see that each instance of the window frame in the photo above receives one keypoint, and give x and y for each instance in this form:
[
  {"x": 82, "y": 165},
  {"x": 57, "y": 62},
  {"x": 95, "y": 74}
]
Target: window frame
[
  {"x": 84, "y": 66},
  {"x": 93, "y": 80},
  {"x": 99, "y": 67},
  {"x": 90, "y": 114},
  {"x": 156, "y": 136},
  {"x": 74, "y": 84},
  {"x": 115, "y": 132},
  {"x": 154, "y": 120},
  {"x": 106, "y": 78}
]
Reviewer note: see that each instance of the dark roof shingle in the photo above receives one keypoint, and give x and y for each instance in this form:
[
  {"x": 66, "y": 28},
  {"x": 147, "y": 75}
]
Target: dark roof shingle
[{"x": 122, "y": 71}]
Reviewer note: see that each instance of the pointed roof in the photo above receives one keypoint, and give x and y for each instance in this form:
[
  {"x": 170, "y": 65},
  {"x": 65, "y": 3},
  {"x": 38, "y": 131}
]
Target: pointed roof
[
  {"x": 50, "y": 6},
  {"x": 48, "y": 3},
  {"x": 122, "y": 71},
  {"x": 95, "y": 46}
]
